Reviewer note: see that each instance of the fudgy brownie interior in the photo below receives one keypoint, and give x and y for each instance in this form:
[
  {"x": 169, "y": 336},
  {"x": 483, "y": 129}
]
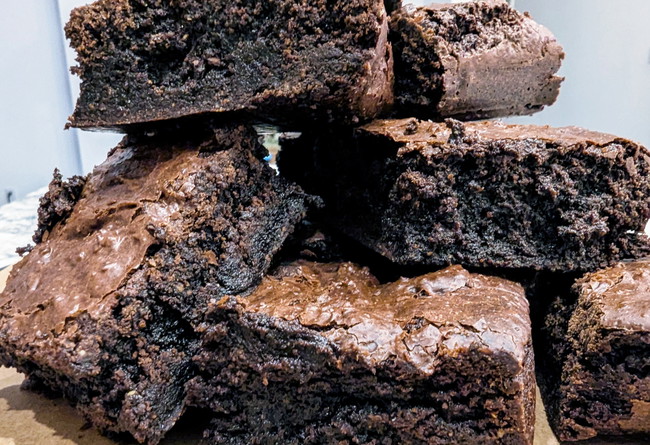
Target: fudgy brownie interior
[
  {"x": 279, "y": 60},
  {"x": 481, "y": 194}
]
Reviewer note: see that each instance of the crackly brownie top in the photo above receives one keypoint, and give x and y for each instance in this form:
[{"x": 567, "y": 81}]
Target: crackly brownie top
[
  {"x": 622, "y": 294},
  {"x": 413, "y": 319},
  {"x": 413, "y": 134},
  {"x": 140, "y": 188}
]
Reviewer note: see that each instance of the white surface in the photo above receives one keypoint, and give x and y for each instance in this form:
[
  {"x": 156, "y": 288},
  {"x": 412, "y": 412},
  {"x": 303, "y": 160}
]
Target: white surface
[
  {"x": 17, "y": 225},
  {"x": 607, "y": 65},
  {"x": 33, "y": 97}
]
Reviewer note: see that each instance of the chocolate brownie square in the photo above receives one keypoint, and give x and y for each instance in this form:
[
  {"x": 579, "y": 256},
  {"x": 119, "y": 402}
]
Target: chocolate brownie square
[
  {"x": 325, "y": 353},
  {"x": 480, "y": 194},
  {"x": 104, "y": 307},
  {"x": 281, "y": 61},
  {"x": 473, "y": 60},
  {"x": 594, "y": 352}
]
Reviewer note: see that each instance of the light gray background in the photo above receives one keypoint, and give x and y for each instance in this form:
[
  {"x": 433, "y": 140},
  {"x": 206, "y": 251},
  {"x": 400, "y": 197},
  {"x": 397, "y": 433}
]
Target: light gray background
[{"x": 607, "y": 86}]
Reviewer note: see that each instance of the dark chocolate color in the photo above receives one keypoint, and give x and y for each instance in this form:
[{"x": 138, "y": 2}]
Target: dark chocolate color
[
  {"x": 481, "y": 194},
  {"x": 279, "y": 60},
  {"x": 57, "y": 203},
  {"x": 473, "y": 60},
  {"x": 324, "y": 353},
  {"x": 104, "y": 308},
  {"x": 594, "y": 352}
]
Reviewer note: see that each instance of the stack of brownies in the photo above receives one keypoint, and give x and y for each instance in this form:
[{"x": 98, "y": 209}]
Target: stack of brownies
[{"x": 376, "y": 290}]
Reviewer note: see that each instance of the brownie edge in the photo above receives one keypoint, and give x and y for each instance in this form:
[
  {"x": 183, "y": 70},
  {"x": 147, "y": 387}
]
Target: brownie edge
[
  {"x": 473, "y": 60},
  {"x": 595, "y": 344}
]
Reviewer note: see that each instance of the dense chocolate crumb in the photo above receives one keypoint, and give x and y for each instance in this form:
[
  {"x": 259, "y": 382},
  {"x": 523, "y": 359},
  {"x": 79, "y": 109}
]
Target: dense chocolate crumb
[
  {"x": 481, "y": 194},
  {"x": 277, "y": 60},
  {"x": 57, "y": 203}
]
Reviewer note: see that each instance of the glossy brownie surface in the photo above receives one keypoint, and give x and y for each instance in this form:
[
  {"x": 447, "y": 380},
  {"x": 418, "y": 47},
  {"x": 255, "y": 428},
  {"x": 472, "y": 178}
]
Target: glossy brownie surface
[
  {"x": 103, "y": 309},
  {"x": 324, "y": 352}
]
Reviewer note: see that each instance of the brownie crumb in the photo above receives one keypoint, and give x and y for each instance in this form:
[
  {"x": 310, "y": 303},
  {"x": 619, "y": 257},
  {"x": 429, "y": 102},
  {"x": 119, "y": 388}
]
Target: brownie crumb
[
  {"x": 57, "y": 203},
  {"x": 278, "y": 61}
]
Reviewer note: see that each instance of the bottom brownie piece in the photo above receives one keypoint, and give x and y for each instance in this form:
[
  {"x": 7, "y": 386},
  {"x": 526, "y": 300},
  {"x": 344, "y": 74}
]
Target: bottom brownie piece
[
  {"x": 104, "y": 307},
  {"x": 324, "y": 353},
  {"x": 594, "y": 355}
]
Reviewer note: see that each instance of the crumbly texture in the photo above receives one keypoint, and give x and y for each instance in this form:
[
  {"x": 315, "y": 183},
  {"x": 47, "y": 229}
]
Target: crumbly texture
[
  {"x": 324, "y": 353},
  {"x": 595, "y": 347},
  {"x": 481, "y": 194},
  {"x": 105, "y": 308},
  {"x": 278, "y": 60},
  {"x": 473, "y": 60},
  {"x": 57, "y": 203}
]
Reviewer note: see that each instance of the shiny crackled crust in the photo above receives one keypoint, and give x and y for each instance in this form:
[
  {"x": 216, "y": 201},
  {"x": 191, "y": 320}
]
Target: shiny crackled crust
[
  {"x": 321, "y": 352},
  {"x": 104, "y": 308}
]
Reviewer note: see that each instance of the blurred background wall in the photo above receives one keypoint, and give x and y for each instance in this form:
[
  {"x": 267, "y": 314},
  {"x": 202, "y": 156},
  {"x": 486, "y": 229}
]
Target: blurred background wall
[{"x": 607, "y": 86}]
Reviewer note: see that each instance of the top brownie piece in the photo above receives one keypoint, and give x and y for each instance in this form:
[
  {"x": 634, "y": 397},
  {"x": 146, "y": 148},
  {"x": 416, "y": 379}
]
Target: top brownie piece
[
  {"x": 103, "y": 308},
  {"x": 280, "y": 60},
  {"x": 324, "y": 352},
  {"x": 473, "y": 60},
  {"x": 480, "y": 194}
]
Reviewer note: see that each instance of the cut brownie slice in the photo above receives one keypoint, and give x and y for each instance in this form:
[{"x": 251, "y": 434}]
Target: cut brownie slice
[
  {"x": 324, "y": 353},
  {"x": 595, "y": 355},
  {"x": 280, "y": 60},
  {"x": 473, "y": 60},
  {"x": 480, "y": 194},
  {"x": 102, "y": 310}
]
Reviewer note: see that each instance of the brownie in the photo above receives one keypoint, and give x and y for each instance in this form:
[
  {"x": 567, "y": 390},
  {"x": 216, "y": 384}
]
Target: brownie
[
  {"x": 325, "y": 353},
  {"x": 594, "y": 353},
  {"x": 473, "y": 60},
  {"x": 279, "y": 61},
  {"x": 57, "y": 203},
  {"x": 481, "y": 194},
  {"x": 104, "y": 309}
]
